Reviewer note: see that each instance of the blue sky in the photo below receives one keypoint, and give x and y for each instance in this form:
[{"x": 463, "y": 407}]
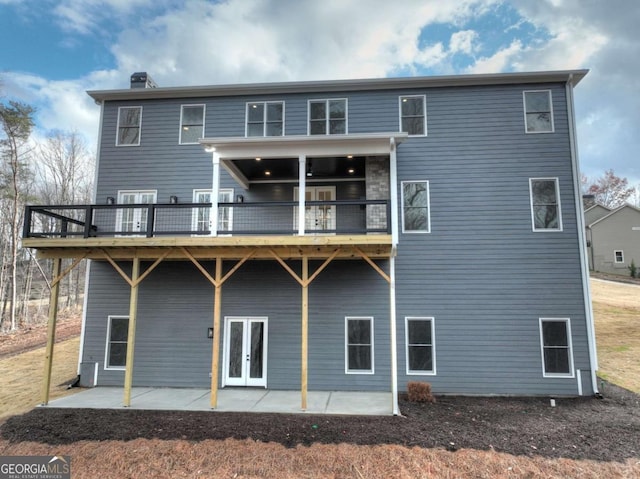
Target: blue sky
[{"x": 52, "y": 51}]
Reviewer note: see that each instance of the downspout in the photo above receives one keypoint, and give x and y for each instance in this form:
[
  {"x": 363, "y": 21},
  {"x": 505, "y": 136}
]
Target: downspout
[
  {"x": 582, "y": 242},
  {"x": 393, "y": 194},
  {"x": 94, "y": 200}
]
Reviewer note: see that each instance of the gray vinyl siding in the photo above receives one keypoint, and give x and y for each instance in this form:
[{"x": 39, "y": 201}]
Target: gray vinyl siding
[{"x": 482, "y": 273}]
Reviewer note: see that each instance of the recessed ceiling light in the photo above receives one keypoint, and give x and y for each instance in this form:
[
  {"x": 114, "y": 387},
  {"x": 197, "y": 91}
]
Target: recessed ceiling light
[
  {"x": 267, "y": 173},
  {"x": 258, "y": 158},
  {"x": 349, "y": 156},
  {"x": 351, "y": 171}
]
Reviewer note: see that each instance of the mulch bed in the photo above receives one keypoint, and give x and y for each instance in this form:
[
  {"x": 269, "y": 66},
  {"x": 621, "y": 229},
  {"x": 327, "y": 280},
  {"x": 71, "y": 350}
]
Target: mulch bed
[{"x": 578, "y": 428}]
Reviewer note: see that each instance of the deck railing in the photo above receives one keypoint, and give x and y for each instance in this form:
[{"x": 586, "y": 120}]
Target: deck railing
[{"x": 194, "y": 219}]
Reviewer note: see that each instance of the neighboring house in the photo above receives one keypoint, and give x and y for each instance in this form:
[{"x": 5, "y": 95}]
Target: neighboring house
[
  {"x": 335, "y": 235},
  {"x": 613, "y": 238}
]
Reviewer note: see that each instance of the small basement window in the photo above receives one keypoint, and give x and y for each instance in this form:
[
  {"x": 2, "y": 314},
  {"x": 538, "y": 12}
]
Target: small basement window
[
  {"x": 557, "y": 356},
  {"x": 619, "y": 256}
]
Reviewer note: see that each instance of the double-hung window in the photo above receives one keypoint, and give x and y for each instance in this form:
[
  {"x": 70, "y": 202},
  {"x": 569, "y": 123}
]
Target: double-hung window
[
  {"x": 545, "y": 204},
  {"x": 416, "y": 214},
  {"x": 420, "y": 341},
  {"x": 413, "y": 114},
  {"x": 619, "y": 256},
  {"x": 328, "y": 117},
  {"x": 359, "y": 345},
  {"x": 129, "y": 124},
  {"x": 191, "y": 123},
  {"x": 538, "y": 111},
  {"x": 557, "y": 355},
  {"x": 116, "y": 350},
  {"x": 265, "y": 118}
]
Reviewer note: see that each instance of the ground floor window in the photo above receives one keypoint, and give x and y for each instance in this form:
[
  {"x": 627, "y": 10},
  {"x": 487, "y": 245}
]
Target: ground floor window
[
  {"x": 619, "y": 256},
  {"x": 557, "y": 355},
  {"x": 116, "y": 351},
  {"x": 359, "y": 345},
  {"x": 420, "y": 341}
]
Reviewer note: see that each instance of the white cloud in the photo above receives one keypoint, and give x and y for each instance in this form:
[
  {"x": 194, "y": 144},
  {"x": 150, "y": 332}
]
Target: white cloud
[{"x": 463, "y": 42}]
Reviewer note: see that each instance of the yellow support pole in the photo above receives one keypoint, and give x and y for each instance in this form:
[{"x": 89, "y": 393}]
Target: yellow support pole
[
  {"x": 215, "y": 354},
  {"x": 305, "y": 330},
  {"x": 131, "y": 336},
  {"x": 51, "y": 330}
]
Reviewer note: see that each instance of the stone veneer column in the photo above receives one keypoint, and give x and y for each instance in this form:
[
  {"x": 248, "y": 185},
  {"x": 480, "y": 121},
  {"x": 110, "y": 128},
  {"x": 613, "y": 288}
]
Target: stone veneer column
[{"x": 377, "y": 188}]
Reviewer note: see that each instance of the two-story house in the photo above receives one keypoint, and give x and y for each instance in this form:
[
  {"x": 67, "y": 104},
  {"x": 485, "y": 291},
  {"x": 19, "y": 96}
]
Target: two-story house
[{"x": 335, "y": 235}]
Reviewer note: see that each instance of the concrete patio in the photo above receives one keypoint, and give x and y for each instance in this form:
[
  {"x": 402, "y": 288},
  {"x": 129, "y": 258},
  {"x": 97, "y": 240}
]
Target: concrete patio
[{"x": 232, "y": 399}]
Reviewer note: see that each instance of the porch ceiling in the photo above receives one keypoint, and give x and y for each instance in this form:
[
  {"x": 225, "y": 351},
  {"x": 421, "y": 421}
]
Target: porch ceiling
[{"x": 228, "y": 247}]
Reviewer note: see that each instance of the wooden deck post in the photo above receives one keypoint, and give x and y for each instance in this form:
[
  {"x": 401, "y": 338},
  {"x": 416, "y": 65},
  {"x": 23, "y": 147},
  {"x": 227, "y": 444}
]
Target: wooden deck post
[
  {"x": 51, "y": 330},
  {"x": 305, "y": 330},
  {"x": 131, "y": 336},
  {"x": 215, "y": 354}
]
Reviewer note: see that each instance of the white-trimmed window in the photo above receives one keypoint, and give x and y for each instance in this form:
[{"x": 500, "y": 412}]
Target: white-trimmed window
[
  {"x": 413, "y": 114},
  {"x": 557, "y": 351},
  {"x": 191, "y": 123},
  {"x": 265, "y": 118},
  {"x": 201, "y": 220},
  {"x": 116, "y": 350},
  {"x": 129, "y": 123},
  {"x": 416, "y": 210},
  {"x": 545, "y": 204},
  {"x": 619, "y": 256},
  {"x": 328, "y": 117},
  {"x": 538, "y": 111},
  {"x": 421, "y": 348},
  {"x": 358, "y": 348}
]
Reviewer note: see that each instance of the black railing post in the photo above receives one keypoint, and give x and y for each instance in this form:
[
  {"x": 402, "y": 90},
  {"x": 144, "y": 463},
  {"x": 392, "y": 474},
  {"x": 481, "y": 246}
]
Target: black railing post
[
  {"x": 388, "y": 202},
  {"x": 151, "y": 219},
  {"x": 26, "y": 227},
  {"x": 88, "y": 219},
  {"x": 64, "y": 228}
]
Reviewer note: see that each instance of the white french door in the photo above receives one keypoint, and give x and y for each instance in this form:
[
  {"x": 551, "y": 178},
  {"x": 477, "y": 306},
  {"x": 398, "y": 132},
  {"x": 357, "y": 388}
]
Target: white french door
[
  {"x": 202, "y": 216},
  {"x": 134, "y": 220},
  {"x": 317, "y": 218},
  {"x": 245, "y": 352}
]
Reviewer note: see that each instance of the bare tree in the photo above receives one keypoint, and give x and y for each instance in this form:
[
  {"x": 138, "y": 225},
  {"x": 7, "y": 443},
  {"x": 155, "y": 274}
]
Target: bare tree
[
  {"x": 16, "y": 123},
  {"x": 609, "y": 190},
  {"x": 65, "y": 177}
]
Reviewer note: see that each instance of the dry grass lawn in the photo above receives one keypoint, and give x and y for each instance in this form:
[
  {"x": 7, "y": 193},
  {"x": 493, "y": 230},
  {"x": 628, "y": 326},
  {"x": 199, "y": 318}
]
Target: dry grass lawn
[
  {"x": 21, "y": 377},
  {"x": 616, "y": 308},
  {"x": 617, "y": 315}
]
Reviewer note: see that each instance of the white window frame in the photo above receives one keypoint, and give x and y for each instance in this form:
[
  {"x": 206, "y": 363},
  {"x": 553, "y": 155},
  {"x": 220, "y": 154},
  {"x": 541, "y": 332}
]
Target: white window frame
[
  {"x": 432, "y": 320},
  {"x": 264, "y": 118},
  {"x": 569, "y": 346},
  {"x": 139, "y": 126},
  {"x": 524, "y": 108},
  {"x": 424, "y": 108},
  {"x": 533, "y": 218},
  {"x": 194, "y": 215},
  {"x": 204, "y": 111},
  {"x": 327, "y": 120},
  {"x": 428, "y": 230},
  {"x": 346, "y": 346},
  {"x": 615, "y": 256},
  {"x": 107, "y": 367}
]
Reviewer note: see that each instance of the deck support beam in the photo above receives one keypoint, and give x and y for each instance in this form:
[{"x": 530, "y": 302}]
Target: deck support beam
[
  {"x": 51, "y": 329},
  {"x": 131, "y": 336},
  {"x": 215, "y": 352}
]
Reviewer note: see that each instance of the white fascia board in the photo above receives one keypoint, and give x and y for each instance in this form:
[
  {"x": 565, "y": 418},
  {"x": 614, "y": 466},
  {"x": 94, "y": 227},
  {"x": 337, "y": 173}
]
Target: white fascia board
[
  {"x": 233, "y": 148},
  {"x": 572, "y": 76}
]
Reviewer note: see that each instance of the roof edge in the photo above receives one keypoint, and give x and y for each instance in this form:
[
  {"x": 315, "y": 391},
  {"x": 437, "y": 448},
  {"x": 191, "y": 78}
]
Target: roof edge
[{"x": 566, "y": 76}]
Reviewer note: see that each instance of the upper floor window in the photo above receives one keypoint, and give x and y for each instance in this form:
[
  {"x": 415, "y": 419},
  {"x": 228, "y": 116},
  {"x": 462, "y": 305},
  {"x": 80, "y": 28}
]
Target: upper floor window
[
  {"x": 413, "y": 114},
  {"x": 415, "y": 207},
  {"x": 191, "y": 123},
  {"x": 538, "y": 111},
  {"x": 545, "y": 204},
  {"x": 328, "y": 117},
  {"x": 129, "y": 122},
  {"x": 265, "y": 118}
]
